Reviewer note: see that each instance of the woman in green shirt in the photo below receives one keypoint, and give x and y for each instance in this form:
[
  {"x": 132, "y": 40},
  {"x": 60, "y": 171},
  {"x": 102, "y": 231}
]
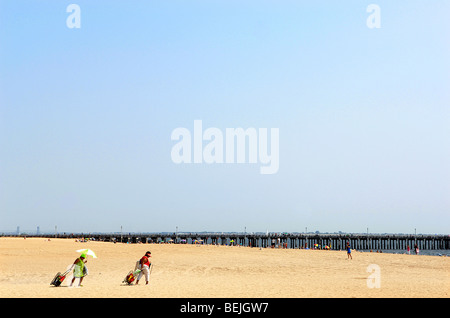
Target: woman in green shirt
[{"x": 79, "y": 269}]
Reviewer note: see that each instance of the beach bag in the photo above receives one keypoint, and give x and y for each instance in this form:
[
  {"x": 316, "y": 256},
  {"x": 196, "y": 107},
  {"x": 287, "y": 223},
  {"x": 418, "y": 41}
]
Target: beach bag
[
  {"x": 131, "y": 277},
  {"x": 58, "y": 279}
]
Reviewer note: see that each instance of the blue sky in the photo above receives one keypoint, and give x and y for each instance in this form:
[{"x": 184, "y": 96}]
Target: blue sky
[{"x": 86, "y": 115}]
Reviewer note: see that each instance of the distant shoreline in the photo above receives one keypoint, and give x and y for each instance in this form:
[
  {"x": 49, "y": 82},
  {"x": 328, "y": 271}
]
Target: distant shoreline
[{"x": 435, "y": 245}]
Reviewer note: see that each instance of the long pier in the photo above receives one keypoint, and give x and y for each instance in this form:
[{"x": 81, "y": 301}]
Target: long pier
[{"x": 284, "y": 240}]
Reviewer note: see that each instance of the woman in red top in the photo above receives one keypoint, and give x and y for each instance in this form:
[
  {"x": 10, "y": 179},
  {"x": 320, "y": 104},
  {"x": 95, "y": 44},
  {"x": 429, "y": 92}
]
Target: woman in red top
[{"x": 145, "y": 267}]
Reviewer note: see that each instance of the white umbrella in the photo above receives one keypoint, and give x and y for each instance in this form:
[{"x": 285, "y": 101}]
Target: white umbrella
[{"x": 87, "y": 252}]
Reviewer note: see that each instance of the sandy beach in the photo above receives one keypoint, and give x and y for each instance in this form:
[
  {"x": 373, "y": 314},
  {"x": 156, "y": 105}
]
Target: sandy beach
[{"x": 27, "y": 267}]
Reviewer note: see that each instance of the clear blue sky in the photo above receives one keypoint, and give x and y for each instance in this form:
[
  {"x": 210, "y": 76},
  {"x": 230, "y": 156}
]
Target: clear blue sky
[{"x": 86, "y": 115}]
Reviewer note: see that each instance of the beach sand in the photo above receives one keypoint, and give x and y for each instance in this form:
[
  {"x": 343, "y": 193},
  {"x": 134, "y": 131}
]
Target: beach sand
[{"x": 27, "y": 267}]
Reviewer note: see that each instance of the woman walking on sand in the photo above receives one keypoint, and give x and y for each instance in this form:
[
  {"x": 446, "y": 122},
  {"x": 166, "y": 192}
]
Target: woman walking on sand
[
  {"x": 144, "y": 266},
  {"x": 79, "y": 269},
  {"x": 349, "y": 251}
]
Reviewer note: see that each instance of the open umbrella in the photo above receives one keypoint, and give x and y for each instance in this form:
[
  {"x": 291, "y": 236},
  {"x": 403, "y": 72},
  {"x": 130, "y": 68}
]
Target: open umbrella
[{"x": 87, "y": 252}]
